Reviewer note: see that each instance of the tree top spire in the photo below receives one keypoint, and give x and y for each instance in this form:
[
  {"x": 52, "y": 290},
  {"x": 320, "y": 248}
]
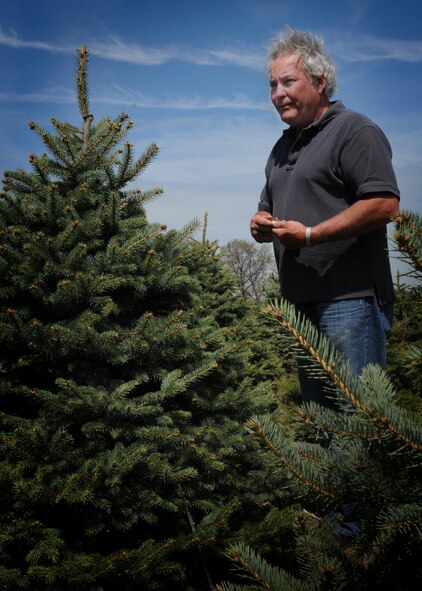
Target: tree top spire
[{"x": 82, "y": 88}]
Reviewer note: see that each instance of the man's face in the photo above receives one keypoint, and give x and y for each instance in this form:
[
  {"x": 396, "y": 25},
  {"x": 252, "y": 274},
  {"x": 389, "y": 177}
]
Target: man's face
[{"x": 298, "y": 101}]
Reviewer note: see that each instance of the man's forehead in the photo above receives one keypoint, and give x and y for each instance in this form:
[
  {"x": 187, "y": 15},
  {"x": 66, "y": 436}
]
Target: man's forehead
[{"x": 285, "y": 62}]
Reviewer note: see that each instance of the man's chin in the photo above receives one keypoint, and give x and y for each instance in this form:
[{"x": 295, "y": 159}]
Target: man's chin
[
  {"x": 287, "y": 116},
  {"x": 286, "y": 119}
]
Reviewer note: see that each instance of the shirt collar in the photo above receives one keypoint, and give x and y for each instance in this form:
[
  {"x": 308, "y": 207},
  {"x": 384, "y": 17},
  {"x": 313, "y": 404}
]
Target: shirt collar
[{"x": 334, "y": 109}]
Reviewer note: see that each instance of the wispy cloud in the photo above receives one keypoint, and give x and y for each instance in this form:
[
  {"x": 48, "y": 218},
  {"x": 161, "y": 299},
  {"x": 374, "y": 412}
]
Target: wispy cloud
[
  {"x": 230, "y": 56},
  {"x": 113, "y": 48},
  {"x": 128, "y": 97},
  {"x": 133, "y": 53},
  {"x": 53, "y": 94},
  {"x": 116, "y": 49},
  {"x": 367, "y": 48},
  {"x": 12, "y": 40},
  {"x": 352, "y": 48},
  {"x": 124, "y": 97}
]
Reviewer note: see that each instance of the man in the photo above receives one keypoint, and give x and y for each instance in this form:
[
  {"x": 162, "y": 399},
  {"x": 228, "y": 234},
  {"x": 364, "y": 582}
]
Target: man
[{"x": 330, "y": 191}]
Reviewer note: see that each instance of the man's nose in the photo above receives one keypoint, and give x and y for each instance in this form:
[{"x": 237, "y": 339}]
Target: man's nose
[{"x": 279, "y": 92}]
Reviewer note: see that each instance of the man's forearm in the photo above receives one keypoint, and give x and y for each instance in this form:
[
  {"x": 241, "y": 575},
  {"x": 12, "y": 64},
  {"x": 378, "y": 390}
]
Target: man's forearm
[{"x": 360, "y": 218}]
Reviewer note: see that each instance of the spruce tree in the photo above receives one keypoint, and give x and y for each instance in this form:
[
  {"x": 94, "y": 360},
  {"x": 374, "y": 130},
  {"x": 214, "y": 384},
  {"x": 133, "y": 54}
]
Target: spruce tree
[
  {"x": 373, "y": 463},
  {"x": 124, "y": 463}
]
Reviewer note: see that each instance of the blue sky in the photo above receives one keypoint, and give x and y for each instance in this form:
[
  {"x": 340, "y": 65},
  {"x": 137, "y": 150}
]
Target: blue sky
[{"x": 192, "y": 76}]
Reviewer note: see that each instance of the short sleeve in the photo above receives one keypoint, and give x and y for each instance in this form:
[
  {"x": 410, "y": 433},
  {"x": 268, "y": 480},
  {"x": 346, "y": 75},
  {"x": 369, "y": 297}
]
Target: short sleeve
[{"x": 366, "y": 163}]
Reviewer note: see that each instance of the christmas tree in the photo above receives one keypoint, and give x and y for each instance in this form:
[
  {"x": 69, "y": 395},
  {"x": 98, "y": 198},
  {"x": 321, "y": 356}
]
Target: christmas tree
[
  {"x": 370, "y": 473},
  {"x": 124, "y": 463}
]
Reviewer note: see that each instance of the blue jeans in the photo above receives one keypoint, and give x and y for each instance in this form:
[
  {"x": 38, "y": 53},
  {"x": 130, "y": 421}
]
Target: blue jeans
[{"x": 356, "y": 327}]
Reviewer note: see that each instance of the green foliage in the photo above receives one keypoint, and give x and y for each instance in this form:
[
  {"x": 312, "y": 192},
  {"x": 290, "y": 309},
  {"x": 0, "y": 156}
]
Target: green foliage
[
  {"x": 404, "y": 346},
  {"x": 123, "y": 384},
  {"x": 405, "y": 342},
  {"x": 271, "y": 359},
  {"x": 408, "y": 241},
  {"x": 260, "y": 573}
]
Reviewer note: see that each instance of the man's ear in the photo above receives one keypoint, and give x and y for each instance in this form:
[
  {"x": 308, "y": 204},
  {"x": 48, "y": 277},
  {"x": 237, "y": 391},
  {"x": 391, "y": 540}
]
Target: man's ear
[{"x": 321, "y": 83}]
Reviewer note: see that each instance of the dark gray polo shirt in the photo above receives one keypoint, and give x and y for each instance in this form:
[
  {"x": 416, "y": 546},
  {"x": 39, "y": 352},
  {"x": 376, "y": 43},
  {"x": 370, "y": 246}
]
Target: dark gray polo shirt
[{"x": 314, "y": 175}]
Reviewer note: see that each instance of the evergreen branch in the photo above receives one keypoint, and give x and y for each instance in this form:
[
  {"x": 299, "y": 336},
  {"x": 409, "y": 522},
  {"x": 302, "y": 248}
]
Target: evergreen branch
[
  {"x": 132, "y": 458},
  {"x": 145, "y": 159},
  {"x": 63, "y": 132},
  {"x": 204, "y": 228},
  {"x": 47, "y": 397},
  {"x": 317, "y": 559},
  {"x": 81, "y": 81},
  {"x": 111, "y": 177},
  {"x": 114, "y": 134},
  {"x": 66, "y": 128},
  {"x": 220, "y": 517},
  {"x": 402, "y": 423},
  {"x": 408, "y": 239},
  {"x": 37, "y": 164},
  {"x": 308, "y": 454},
  {"x": 113, "y": 205},
  {"x": 20, "y": 181},
  {"x": 137, "y": 197},
  {"x": 373, "y": 386},
  {"x": 137, "y": 242},
  {"x": 86, "y": 150},
  {"x": 315, "y": 552},
  {"x": 168, "y": 277},
  {"x": 186, "y": 231},
  {"x": 116, "y": 137},
  {"x": 12, "y": 578},
  {"x": 52, "y": 143},
  {"x": 67, "y": 145},
  {"x": 400, "y": 519},
  {"x": 258, "y": 571},
  {"x": 13, "y": 203},
  {"x": 168, "y": 334},
  {"x": 339, "y": 423},
  {"x": 49, "y": 547},
  {"x": 192, "y": 377},
  {"x": 286, "y": 317},
  {"x": 271, "y": 436},
  {"x": 72, "y": 482},
  {"x": 123, "y": 390},
  {"x": 159, "y": 551},
  {"x": 139, "y": 560},
  {"x": 124, "y": 165},
  {"x": 65, "y": 236},
  {"x": 412, "y": 356},
  {"x": 201, "y": 250},
  {"x": 173, "y": 383}
]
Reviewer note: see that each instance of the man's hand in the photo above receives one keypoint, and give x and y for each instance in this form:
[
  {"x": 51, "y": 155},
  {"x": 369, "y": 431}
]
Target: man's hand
[
  {"x": 261, "y": 227},
  {"x": 291, "y": 234}
]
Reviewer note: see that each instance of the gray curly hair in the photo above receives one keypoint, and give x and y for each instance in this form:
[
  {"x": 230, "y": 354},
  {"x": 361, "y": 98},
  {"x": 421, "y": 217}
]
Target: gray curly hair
[{"x": 316, "y": 61}]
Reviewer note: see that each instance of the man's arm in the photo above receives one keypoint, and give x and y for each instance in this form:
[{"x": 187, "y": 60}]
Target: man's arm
[{"x": 365, "y": 215}]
